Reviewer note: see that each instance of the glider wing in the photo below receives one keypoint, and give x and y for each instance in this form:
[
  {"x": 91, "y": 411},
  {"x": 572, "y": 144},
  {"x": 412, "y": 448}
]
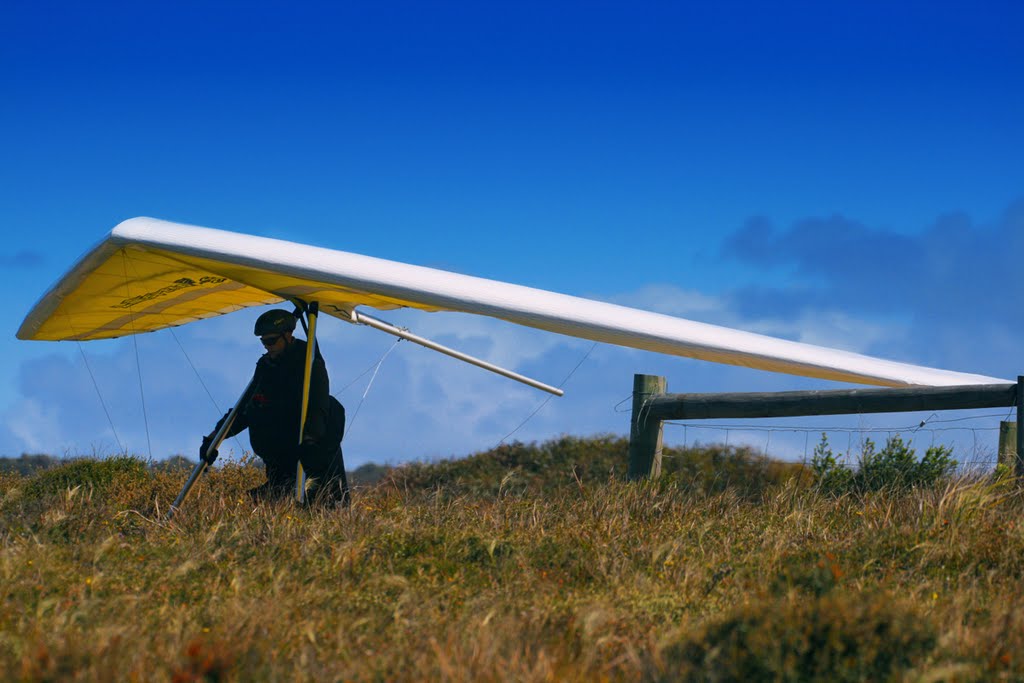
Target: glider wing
[{"x": 149, "y": 274}]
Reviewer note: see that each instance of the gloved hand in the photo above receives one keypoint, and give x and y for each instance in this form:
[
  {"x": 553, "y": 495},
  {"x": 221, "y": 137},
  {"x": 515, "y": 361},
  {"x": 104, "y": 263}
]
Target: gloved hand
[{"x": 212, "y": 457}]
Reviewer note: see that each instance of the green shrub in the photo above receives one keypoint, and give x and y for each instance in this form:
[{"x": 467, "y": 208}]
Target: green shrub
[
  {"x": 535, "y": 468},
  {"x": 836, "y": 637},
  {"x": 176, "y": 464},
  {"x": 28, "y": 463},
  {"x": 894, "y": 467},
  {"x": 99, "y": 475},
  {"x": 830, "y": 475},
  {"x": 716, "y": 468}
]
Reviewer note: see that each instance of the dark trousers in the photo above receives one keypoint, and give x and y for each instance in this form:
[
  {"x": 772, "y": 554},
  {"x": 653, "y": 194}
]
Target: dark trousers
[{"x": 327, "y": 466}]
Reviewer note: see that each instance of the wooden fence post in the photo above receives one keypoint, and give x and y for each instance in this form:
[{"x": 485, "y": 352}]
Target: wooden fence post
[
  {"x": 1007, "y": 455},
  {"x": 645, "y": 431},
  {"x": 1019, "y": 469}
]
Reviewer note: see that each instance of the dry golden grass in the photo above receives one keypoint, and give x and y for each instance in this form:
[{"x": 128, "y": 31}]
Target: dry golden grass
[{"x": 584, "y": 579}]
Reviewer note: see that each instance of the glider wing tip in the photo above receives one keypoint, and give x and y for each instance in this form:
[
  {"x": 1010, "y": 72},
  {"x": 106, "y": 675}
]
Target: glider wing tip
[{"x": 128, "y": 223}]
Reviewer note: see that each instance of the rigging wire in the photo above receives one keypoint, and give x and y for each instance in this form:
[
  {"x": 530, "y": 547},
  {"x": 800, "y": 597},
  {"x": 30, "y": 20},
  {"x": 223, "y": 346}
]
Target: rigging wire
[
  {"x": 135, "y": 344},
  {"x": 96, "y": 386},
  {"x": 194, "y": 370},
  {"x": 550, "y": 396},
  {"x": 241, "y": 449},
  {"x": 369, "y": 384},
  {"x": 99, "y": 394},
  {"x": 371, "y": 367}
]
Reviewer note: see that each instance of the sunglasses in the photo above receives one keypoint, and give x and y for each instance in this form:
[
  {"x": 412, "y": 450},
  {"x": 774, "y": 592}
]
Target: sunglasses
[{"x": 270, "y": 339}]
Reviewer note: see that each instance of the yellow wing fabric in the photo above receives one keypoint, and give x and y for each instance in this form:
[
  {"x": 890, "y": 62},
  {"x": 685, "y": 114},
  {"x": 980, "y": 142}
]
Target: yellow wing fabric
[
  {"x": 120, "y": 290},
  {"x": 132, "y": 291}
]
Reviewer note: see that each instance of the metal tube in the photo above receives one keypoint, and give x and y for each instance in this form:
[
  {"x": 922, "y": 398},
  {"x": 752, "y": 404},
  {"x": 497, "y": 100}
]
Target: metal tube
[
  {"x": 218, "y": 438},
  {"x": 398, "y": 332},
  {"x": 196, "y": 471}
]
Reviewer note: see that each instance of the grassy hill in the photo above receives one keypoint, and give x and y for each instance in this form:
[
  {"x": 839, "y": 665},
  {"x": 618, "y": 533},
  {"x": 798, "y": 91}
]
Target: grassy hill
[{"x": 529, "y": 562}]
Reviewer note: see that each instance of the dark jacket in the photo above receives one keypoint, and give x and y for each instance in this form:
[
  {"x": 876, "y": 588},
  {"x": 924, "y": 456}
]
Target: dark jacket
[{"x": 273, "y": 408}]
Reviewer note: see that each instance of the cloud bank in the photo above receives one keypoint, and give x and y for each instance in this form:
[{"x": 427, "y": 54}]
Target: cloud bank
[{"x": 944, "y": 296}]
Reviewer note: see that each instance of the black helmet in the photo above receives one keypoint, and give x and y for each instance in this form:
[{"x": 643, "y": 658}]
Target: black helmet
[{"x": 276, "y": 321}]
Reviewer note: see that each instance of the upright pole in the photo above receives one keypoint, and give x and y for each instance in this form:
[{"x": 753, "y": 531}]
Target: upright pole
[
  {"x": 1019, "y": 469},
  {"x": 311, "y": 312},
  {"x": 1007, "y": 456},
  {"x": 645, "y": 432}
]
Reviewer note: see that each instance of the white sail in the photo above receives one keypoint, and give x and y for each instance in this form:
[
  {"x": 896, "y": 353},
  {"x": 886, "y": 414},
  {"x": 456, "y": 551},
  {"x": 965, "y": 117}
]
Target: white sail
[{"x": 148, "y": 274}]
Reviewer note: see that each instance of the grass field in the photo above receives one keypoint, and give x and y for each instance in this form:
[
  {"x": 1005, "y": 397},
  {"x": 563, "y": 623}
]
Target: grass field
[{"x": 527, "y": 563}]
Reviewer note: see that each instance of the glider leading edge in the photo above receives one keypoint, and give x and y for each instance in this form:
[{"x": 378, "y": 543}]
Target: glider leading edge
[{"x": 148, "y": 274}]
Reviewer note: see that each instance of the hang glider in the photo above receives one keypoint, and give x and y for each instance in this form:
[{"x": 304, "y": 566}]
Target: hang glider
[{"x": 148, "y": 274}]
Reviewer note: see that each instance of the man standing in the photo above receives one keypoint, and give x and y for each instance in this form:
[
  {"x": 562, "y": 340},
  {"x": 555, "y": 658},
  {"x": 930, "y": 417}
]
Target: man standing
[{"x": 272, "y": 411}]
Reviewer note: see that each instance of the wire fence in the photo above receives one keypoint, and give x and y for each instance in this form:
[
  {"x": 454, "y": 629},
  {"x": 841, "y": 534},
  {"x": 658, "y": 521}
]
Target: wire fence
[{"x": 973, "y": 440}]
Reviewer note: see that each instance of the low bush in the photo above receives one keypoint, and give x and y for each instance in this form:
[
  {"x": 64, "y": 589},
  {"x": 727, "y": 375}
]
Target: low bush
[
  {"x": 837, "y": 637},
  {"x": 894, "y": 467},
  {"x": 98, "y": 475},
  {"x": 536, "y": 468}
]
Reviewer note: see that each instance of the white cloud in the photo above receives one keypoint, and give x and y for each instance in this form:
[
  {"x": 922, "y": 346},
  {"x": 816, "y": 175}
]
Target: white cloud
[
  {"x": 831, "y": 329},
  {"x": 672, "y": 300},
  {"x": 29, "y": 421}
]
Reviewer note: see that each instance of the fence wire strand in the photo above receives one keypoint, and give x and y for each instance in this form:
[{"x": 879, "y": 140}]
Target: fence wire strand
[{"x": 969, "y": 455}]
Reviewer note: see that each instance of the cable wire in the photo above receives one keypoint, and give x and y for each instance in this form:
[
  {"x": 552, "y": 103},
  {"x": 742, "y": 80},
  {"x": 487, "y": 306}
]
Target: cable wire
[
  {"x": 99, "y": 394},
  {"x": 194, "y": 370},
  {"x": 550, "y": 396},
  {"x": 135, "y": 344},
  {"x": 369, "y": 384},
  {"x": 241, "y": 449}
]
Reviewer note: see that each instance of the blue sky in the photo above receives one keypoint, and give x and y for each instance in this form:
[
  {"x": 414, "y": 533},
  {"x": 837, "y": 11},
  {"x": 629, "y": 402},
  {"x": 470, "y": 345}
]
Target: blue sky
[{"x": 843, "y": 173}]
